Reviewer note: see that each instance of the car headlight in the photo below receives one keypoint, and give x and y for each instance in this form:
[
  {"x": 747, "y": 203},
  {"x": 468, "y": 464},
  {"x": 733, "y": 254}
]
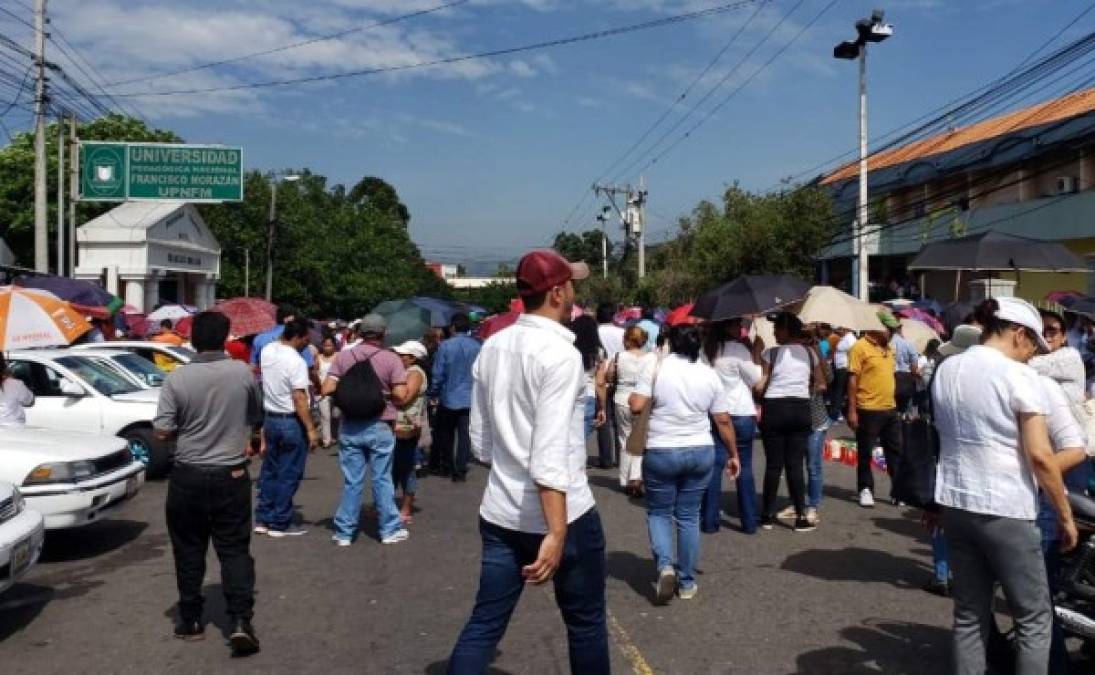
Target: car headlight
[
  {"x": 20, "y": 503},
  {"x": 50, "y": 472}
]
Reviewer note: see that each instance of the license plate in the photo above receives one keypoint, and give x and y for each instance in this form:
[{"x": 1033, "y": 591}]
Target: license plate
[
  {"x": 131, "y": 485},
  {"x": 20, "y": 558}
]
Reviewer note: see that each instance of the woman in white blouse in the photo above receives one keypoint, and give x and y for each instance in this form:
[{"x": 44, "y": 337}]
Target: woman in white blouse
[
  {"x": 990, "y": 412},
  {"x": 623, "y": 371},
  {"x": 735, "y": 359}
]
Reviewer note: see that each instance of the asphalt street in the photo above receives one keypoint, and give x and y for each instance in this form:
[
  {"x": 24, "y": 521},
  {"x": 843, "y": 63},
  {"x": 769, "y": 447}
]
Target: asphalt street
[{"x": 844, "y": 599}]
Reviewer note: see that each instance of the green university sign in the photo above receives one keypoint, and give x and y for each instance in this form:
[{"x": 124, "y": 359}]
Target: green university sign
[{"x": 118, "y": 172}]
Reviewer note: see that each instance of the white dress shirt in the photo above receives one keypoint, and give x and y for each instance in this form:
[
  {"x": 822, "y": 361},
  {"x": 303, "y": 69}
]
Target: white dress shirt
[
  {"x": 527, "y": 420},
  {"x": 978, "y": 397},
  {"x": 840, "y": 356},
  {"x": 735, "y": 368}
]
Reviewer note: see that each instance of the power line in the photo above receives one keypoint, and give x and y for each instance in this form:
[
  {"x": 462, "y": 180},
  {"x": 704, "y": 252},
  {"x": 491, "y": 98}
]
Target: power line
[
  {"x": 668, "y": 111},
  {"x": 294, "y": 45},
  {"x": 628, "y": 170},
  {"x": 585, "y": 37},
  {"x": 710, "y": 113},
  {"x": 839, "y": 159},
  {"x": 75, "y": 57}
]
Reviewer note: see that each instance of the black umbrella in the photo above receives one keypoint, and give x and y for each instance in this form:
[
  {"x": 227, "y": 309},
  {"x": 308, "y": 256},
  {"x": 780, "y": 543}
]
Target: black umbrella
[
  {"x": 996, "y": 251},
  {"x": 749, "y": 295},
  {"x": 955, "y": 313},
  {"x": 1085, "y": 306}
]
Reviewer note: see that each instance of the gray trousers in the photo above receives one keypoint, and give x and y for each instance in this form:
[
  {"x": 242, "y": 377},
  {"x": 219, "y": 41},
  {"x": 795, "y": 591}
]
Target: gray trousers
[{"x": 985, "y": 550}]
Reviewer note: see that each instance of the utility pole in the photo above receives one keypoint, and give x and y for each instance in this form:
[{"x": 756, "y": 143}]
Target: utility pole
[
  {"x": 602, "y": 218},
  {"x": 73, "y": 189},
  {"x": 270, "y": 240},
  {"x": 41, "y": 228},
  {"x": 633, "y": 218},
  {"x": 60, "y": 196},
  {"x": 873, "y": 29}
]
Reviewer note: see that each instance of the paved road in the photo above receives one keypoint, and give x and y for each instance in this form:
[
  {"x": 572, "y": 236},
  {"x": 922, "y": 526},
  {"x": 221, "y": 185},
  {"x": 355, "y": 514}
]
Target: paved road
[{"x": 843, "y": 599}]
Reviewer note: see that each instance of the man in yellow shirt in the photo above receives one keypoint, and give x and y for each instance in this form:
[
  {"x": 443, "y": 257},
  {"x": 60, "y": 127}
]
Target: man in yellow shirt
[{"x": 872, "y": 407}]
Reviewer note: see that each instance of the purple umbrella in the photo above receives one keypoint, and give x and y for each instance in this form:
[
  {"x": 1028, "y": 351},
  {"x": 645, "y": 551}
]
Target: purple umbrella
[
  {"x": 76, "y": 291},
  {"x": 923, "y": 316}
]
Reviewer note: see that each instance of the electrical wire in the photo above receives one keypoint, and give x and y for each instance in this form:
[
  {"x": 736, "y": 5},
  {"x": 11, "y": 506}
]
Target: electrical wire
[
  {"x": 711, "y": 113},
  {"x": 628, "y": 170},
  {"x": 506, "y": 51},
  {"x": 294, "y": 45},
  {"x": 75, "y": 57}
]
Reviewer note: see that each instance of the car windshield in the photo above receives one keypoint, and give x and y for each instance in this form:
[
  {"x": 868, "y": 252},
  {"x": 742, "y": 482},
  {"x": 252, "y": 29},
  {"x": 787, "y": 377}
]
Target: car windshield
[
  {"x": 140, "y": 366},
  {"x": 188, "y": 354},
  {"x": 100, "y": 376}
]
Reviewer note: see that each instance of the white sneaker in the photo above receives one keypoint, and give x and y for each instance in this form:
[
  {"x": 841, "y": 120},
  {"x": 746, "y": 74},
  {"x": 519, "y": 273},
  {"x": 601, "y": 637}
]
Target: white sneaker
[
  {"x": 396, "y": 537},
  {"x": 688, "y": 593},
  {"x": 339, "y": 541},
  {"x": 667, "y": 584},
  {"x": 866, "y": 499},
  {"x": 287, "y": 532},
  {"x": 788, "y": 513},
  {"x": 261, "y": 529},
  {"x": 811, "y": 516}
]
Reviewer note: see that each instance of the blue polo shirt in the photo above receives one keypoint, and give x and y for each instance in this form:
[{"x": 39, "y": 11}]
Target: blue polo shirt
[{"x": 273, "y": 335}]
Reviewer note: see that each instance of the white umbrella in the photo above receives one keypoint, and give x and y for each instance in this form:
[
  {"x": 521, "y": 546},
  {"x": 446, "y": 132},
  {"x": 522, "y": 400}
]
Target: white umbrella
[
  {"x": 763, "y": 329},
  {"x": 918, "y": 333},
  {"x": 172, "y": 312},
  {"x": 825, "y": 304},
  {"x": 33, "y": 318}
]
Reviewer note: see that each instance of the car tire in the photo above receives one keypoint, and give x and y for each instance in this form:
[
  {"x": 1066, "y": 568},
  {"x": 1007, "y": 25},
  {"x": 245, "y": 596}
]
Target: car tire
[{"x": 146, "y": 449}]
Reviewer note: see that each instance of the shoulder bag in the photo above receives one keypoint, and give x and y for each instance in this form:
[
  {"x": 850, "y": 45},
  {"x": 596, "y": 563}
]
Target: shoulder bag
[{"x": 640, "y": 424}]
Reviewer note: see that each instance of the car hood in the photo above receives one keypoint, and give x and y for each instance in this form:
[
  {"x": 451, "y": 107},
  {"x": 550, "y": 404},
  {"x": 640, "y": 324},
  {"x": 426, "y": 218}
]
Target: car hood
[
  {"x": 47, "y": 445},
  {"x": 141, "y": 396}
]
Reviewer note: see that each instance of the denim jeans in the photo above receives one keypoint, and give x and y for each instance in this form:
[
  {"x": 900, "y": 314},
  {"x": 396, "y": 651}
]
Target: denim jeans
[
  {"x": 403, "y": 459},
  {"x": 940, "y": 557},
  {"x": 452, "y": 440},
  {"x": 590, "y": 414},
  {"x": 1051, "y": 553},
  {"x": 712, "y": 495},
  {"x": 366, "y": 446},
  {"x": 579, "y": 592},
  {"x": 815, "y": 449},
  {"x": 745, "y": 431},
  {"x": 282, "y": 471},
  {"x": 675, "y": 480}
]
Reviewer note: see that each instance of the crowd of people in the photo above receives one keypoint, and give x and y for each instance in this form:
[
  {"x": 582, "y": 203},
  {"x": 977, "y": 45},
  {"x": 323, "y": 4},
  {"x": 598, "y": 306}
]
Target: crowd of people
[{"x": 672, "y": 408}]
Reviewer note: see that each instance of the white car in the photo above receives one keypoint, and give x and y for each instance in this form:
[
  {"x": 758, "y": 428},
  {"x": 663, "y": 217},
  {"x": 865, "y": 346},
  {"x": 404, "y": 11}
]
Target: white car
[
  {"x": 21, "y": 535},
  {"x": 77, "y": 393},
  {"x": 140, "y": 371},
  {"x": 166, "y": 356},
  {"x": 69, "y": 478}
]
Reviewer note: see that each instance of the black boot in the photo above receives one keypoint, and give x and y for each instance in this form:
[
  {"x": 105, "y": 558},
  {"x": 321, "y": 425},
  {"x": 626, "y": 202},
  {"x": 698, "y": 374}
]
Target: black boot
[{"x": 243, "y": 639}]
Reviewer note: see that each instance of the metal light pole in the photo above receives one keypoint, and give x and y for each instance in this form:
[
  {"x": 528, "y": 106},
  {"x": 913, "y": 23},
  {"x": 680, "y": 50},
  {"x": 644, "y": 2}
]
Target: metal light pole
[
  {"x": 876, "y": 30},
  {"x": 41, "y": 227},
  {"x": 270, "y": 231}
]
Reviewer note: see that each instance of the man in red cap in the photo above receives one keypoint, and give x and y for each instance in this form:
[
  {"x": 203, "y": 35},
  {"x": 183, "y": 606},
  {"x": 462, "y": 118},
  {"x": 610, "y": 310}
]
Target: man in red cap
[{"x": 527, "y": 422}]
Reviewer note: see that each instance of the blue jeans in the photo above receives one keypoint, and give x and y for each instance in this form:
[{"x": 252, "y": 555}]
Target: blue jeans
[
  {"x": 1051, "y": 552},
  {"x": 282, "y": 471},
  {"x": 940, "y": 558},
  {"x": 712, "y": 496},
  {"x": 579, "y": 592},
  {"x": 590, "y": 414},
  {"x": 675, "y": 480},
  {"x": 366, "y": 446},
  {"x": 745, "y": 431},
  {"x": 814, "y": 451}
]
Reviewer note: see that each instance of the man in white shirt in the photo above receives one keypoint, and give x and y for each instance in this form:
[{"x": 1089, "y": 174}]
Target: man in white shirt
[
  {"x": 288, "y": 432},
  {"x": 612, "y": 341},
  {"x": 838, "y": 395},
  {"x": 527, "y": 423}
]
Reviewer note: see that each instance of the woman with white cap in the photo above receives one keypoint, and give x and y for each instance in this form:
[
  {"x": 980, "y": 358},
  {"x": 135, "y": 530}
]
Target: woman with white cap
[
  {"x": 409, "y": 422},
  {"x": 990, "y": 412}
]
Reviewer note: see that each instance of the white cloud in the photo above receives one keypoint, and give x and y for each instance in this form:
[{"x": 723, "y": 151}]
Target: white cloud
[
  {"x": 521, "y": 68},
  {"x": 589, "y": 102}
]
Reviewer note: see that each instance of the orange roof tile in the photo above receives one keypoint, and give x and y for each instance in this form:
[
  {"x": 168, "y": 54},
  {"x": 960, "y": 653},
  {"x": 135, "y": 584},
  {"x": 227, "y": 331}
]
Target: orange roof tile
[{"x": 1043, "y": 113}]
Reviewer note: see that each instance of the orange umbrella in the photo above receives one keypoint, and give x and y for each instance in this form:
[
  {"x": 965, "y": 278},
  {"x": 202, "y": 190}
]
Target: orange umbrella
[{"x": 35, "y": 318}]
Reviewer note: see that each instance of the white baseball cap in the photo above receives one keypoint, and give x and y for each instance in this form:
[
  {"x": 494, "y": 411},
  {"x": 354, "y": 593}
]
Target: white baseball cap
[
  {"x": 1021, "y": 312},
  {"x": 412, "y": 348}
]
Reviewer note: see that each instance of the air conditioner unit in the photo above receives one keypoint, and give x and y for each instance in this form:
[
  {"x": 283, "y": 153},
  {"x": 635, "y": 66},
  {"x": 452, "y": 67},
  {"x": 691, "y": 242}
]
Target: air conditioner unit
[{"x": 1066, "y": 185}]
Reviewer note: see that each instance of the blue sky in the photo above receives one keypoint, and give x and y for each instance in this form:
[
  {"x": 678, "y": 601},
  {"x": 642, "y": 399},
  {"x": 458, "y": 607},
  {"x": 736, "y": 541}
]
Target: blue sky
[{"x": 491, "y": 155}]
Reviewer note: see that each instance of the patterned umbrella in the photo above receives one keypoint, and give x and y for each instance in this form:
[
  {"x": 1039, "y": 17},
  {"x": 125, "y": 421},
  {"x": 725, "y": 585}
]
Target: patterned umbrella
[
  {"x": 34, "y": 318},
  {"x": 248, "y": 315},
  {"x": 172, "y": 312},
  {"x": 924, "y": 317}
]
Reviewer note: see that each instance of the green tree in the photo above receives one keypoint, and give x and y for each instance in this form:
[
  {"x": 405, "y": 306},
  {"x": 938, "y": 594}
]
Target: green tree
[
  {"x": 581, "y": 246},
  {"x": 494, "y": 297},
  {"x": 376, "y": 193},
  {"x": 17, "y": 178}
]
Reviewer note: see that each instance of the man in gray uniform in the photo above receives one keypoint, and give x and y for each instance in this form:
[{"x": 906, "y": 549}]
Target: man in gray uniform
[{"x": 210, "y": 407}]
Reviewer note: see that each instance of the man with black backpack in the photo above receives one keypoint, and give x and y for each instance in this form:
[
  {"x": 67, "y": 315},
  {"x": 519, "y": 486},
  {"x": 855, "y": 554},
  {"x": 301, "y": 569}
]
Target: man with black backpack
[{"x": 368, "y": 382}]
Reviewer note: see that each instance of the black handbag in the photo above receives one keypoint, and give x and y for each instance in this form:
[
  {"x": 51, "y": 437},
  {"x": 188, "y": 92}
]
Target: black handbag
[{"x": 914, "y": 477}]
